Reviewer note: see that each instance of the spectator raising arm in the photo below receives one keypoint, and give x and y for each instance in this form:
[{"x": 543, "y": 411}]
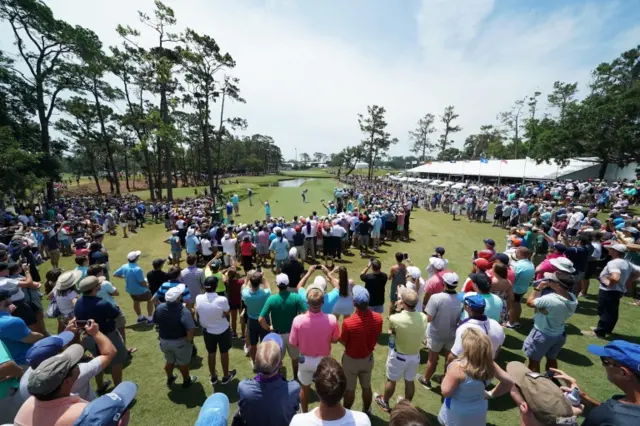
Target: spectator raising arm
[{"x": 105, "y": 348}]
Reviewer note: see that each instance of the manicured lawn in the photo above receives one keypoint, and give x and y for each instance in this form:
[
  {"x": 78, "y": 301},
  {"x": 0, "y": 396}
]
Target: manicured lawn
[{"x": 156, "y": 403}]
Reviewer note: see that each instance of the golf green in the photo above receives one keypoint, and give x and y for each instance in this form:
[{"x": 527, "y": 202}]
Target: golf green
[{"x": 158, "y": 404}]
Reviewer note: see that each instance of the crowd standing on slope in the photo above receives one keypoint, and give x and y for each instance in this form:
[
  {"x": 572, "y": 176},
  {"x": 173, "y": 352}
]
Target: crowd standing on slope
[{"x": 557, "y": 241}]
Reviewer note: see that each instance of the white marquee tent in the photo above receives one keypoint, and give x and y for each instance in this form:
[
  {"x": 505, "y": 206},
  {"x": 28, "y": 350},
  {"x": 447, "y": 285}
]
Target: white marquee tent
[{"x": 509, "y": 169}]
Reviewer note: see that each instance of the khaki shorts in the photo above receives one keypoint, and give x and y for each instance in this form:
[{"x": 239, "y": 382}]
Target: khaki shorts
[
  {"x": 293, "y": 351},
  {"x": 144, "y": 297},
  {"x": 121, "y": 321},
  {"x": 357, "y": 369},
  {"x": 437, "y": 345}
]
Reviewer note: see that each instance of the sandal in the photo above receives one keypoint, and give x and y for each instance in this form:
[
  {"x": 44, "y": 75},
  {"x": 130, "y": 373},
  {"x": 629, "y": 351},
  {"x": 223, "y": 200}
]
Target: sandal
[
  {"x": 379, "y": 399},
  {"x": 132, "y": 350}
]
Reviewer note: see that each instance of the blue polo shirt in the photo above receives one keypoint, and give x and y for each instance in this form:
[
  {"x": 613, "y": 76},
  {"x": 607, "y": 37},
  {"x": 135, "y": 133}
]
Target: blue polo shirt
[
  {"x": 330, "y": 300},
  {"x": 99, "y": 310},
  {"x": 133, "y": 276},
  {"x": 192, "y": 244},
  {"x": 12, "y": 331}
]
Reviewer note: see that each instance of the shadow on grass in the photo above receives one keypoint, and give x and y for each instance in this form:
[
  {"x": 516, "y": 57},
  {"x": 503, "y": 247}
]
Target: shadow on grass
[
  {"x": 383, "y": 339},
  {"x": 587, "y": 308},
  {"x": 230, "y": 389},
  {"x": 571, "y": 329},
  {"x": 193, "y": 396},
  {"x": 143, "y": 326},
  {"x": 506, "y": 356},
  {"x": 512, "y": 342},
  {"x": 503, "y": 403},
  {"x": 574, "y": 358},
  {"x": 615, "y": 336}
]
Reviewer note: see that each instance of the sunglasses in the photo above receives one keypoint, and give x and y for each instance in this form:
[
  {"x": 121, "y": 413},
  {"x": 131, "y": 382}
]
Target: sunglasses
[{"x": 607, "y": 362}]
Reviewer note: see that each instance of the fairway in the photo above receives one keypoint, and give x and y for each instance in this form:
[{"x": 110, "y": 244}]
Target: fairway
[{"x": 157, "y": 404}]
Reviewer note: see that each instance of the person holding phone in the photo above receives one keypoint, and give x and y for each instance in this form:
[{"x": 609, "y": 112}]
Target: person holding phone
[
  {"x": 53, "y": 345},
  {"x": 375, "y": 282}
]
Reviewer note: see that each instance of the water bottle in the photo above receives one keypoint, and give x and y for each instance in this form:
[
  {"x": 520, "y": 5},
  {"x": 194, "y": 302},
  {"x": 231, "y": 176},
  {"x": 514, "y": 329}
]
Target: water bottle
[
  {"x": 392, "y": 342},
  {"x": 573, "y": 397}
]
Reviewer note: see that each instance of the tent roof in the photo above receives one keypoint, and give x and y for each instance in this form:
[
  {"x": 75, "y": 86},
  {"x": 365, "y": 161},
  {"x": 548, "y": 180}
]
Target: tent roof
[{"x": 506, "y": 168}]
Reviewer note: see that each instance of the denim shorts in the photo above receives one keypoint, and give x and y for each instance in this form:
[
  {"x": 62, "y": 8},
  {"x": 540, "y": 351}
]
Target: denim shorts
[
  {"x": 379, "y": 309},
  {"x": 538, "y": 345}
]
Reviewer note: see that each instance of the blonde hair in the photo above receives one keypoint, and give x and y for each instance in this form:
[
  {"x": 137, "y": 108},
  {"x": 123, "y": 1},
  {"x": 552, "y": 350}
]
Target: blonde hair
[{"x": 477, "y": 357}]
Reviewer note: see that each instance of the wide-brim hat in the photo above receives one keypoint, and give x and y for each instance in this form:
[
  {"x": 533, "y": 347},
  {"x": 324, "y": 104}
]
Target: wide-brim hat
[{"x": 68, "y": 279}]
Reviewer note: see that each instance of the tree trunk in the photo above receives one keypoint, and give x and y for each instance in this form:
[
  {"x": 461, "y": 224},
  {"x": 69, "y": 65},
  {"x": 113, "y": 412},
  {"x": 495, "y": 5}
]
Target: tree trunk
[
  {"x": 159, "y": 168},
  {"x": 126, "y": 169},
  {"x": 603, "y": 168},
  {"x": 94, "y": 173},
  {"x": 164, "y": 113},
  {"x": 105, "y": 139},
  {"x": 44, "y": 138}
]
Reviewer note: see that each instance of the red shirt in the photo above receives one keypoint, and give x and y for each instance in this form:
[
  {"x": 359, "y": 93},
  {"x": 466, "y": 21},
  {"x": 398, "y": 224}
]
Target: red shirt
[
  {"x": 360, "y": 333},
  {"x": 234, "y": 291},
  {"x": 246, "y": 248}
]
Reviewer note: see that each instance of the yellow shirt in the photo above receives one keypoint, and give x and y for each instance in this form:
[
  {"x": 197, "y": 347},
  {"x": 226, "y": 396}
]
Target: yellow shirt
[
  {"x": 221, "y": 285},
  {"x": 409, "y": 328}
]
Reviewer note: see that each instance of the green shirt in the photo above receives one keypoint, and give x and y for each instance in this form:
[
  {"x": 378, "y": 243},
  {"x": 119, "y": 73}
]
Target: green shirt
[
  {"x": 221, "y": 286},
  {"x": 283, "y": 308},
  {"x": 5, "y": 385},
  {"x": 409, "y": 329}
]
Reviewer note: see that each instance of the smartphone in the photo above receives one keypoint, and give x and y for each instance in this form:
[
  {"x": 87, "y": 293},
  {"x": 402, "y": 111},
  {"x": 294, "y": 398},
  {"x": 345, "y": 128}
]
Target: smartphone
[
  {"x": 405, "y": 256},
  {"x": 81, "y": 323},
  {"x": 475, "y": 254},
  {"x": 371, "y": 259}
]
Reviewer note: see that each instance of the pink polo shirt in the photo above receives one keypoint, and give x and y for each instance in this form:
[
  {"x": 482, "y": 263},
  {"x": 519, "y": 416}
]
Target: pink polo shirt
[{"x": 313, "y": 333}]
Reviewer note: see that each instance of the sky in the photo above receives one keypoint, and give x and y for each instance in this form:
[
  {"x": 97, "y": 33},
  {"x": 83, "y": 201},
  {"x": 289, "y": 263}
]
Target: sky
[{"x": 308, "y": 67}]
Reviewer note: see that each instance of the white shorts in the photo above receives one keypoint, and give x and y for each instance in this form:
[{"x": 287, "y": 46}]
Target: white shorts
[
  {"x": 375, "y": 235},
  {"x": 400, "y": 365},
  {"x": 307, "y": 369}
]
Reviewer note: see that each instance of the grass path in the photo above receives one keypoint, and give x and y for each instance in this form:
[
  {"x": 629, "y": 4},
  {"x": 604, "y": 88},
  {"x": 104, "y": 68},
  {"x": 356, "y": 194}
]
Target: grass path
[{"x": 156, "y": 403}]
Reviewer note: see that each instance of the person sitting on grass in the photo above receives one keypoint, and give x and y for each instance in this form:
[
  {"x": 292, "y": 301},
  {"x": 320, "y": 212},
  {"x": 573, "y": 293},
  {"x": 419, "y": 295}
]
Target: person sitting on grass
[{"x": 175, "y": 329}]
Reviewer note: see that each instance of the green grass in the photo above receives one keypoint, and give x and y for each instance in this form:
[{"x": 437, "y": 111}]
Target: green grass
[{"x": 460, "y": 238}]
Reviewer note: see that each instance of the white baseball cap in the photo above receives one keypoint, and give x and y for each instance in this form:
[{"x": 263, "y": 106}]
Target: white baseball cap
[
  {"x": 414, "y": 272},
  {"x": 174, "y": 293},
  {"x": 133, "y": 255},
  {"x": 282, "y": 279},
  {"x": 437, "y": 263},
  {"x": 450, "y": 278}
]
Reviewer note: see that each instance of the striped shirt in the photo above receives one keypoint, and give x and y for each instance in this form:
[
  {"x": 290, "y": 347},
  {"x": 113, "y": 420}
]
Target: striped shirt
[
  {"x": 193, "y": 278},
  {"x": 186, "y": 294},
  {"x": 360, "y": 333}
]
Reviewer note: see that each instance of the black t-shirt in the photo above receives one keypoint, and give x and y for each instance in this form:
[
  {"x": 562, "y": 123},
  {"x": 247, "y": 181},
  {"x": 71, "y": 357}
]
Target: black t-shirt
[
  {"x": 363, "y": 229},
  {"x": 293, "y": 269},
  {"x": 298, "y": 239},
  {"x": 156, "y": 279},
  {"x": 614, "y": 413},
  {"x": 375, "y": 283}
]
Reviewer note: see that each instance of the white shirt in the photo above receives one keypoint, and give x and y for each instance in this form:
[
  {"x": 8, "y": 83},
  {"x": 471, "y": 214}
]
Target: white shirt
[
  {"x": 490, "y": 327},
  {"x": 229, "y": 245},
  {"x": 180, "y": 223},
  {"x": 206, "y": 247},
  {"x": 314, "y": 226},
  {"x": 338, "y": 231},
  {"x": 210, "y": 309},
  {"x": 351, "y": 418}
]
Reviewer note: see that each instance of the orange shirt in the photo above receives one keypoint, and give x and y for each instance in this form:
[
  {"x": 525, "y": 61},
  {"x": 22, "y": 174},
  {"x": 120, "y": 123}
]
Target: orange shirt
[{"x": 58, "y": 412}]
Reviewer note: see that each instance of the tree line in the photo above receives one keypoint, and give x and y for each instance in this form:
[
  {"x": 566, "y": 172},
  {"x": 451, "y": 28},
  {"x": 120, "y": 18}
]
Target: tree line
[
  {"x": 156, "y": 120},
  {"x": 603, "y": 125}
]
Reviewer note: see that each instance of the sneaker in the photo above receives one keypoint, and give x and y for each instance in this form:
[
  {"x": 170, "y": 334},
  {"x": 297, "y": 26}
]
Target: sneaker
[
  {"x": 141, "y": 319},
  {"x": 399, "y": 398},
  {"x": 226, "y": 379},
  {"x": 369, "y": 412},
  {"x": 437, "y": 378},
  {"x": 512, "y": 326},
  {"x": 426, "y": 383},
  {"x": 189, "y": 382},
  {"x": 213, "y": 380},
  {"x": 104, "y": 388},
  {"x": 149, "y": 321},
  {"x": 246, "y": 351},
  {"x": 171, "y": 380},
  {"x": 380, "y": 401}
]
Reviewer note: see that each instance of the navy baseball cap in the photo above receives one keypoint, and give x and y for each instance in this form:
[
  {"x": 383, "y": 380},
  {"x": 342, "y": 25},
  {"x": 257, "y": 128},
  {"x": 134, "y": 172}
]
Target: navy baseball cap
[
  {"x": 475, "y": 302},
  {"x": 440, "y": 250},
  {"x": 215, "y": 411},
  {"x": 503, "y": 258},
  {"x": 489, "y": 242},
  {"x": 108, "y": 409},
  {"x": 45, "y": 348},
  {"x": 625, "y": 353},
  {"x": 559, "y": 247}
]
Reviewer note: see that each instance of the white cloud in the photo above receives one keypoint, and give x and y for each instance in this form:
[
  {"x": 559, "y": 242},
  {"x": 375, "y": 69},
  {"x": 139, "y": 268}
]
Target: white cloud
[{"x": 305, "y": 88}]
